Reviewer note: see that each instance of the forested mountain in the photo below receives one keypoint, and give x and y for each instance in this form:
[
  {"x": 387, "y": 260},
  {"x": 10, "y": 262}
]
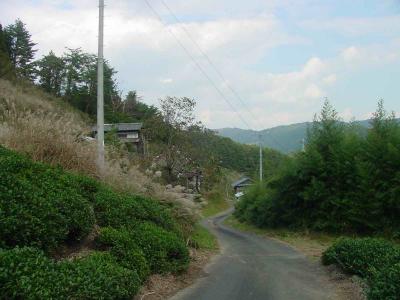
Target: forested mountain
[{"x": 286, "y": 138}]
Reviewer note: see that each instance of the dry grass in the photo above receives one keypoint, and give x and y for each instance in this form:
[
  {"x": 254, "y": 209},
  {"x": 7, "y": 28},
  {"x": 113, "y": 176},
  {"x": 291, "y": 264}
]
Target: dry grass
[
  {"x": 49, "y": 130},
  {"x": 40, "y": 129}
]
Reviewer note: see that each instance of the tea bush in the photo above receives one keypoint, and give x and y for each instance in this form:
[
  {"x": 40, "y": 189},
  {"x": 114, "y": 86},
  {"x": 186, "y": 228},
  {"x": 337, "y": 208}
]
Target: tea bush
[
  {"x": 375, "y": 260},
  {"x": 26, "y": 273},
  {"x": 98, "y": 276},
  {"x": 124, "y": 249},
  {"x": 386, "y": 284},
  {"x": 40, "y": 205},
  {"x": 362, "y": 256},
  {"x": 164, "y": 250},
  {"x": 123, "y": 210}
]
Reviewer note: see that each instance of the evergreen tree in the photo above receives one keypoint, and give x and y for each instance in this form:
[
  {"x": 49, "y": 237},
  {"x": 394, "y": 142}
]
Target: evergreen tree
[
  {"x": 6, "y": 70},
  {"x": 20, "y": 49}
]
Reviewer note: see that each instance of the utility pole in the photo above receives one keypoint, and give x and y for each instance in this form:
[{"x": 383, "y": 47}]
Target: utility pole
[
  {"x": 261, "y": 158},
  {"x": 100, "y": 91}
]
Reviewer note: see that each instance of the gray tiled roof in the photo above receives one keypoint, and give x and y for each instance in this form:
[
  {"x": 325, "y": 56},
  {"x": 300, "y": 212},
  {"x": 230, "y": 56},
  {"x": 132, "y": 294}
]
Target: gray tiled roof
[
  {"x": 241, "y": 181},
  {"x": 120, "y": 127}
]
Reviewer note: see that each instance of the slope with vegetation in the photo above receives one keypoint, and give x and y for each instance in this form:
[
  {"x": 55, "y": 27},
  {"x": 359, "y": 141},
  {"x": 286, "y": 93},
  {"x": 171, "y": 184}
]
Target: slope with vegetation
[
  {"x": 344, "y": 183},
  {"x": 69, "y": 229},
  {"x": 44, "y": 209}
]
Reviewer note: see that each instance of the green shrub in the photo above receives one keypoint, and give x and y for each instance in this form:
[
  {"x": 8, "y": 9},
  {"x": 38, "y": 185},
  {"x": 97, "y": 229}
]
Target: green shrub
[
  {"x": 40, "y": 205},
  {"x": 385, "y": 284},
  {"x": 164, "y": 251},
  {"x": 123, "y": 210},
  {"x": 362, "y": 256},
  {"x": 124, "y": 249},
  {"x": 26, "y": 273},
  {"x": 98, "y": 276}
]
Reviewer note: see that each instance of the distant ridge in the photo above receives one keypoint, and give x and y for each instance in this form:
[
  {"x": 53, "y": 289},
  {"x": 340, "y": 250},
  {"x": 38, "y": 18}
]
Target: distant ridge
[{"x": 285, "y": 138}]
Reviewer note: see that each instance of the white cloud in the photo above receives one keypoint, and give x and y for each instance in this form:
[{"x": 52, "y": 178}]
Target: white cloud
[
  {"x": 350, "y": 53},
  {"x": 313, "y": 67},
  {"x": 166, "y": 80},
  {"x": 236, "y": 35},
  {"x": 330, "y": 79},
  {"x": 347, "y": 114},
  {"x": 313, "y": 91},
  {"x": 353, "y": 26}
]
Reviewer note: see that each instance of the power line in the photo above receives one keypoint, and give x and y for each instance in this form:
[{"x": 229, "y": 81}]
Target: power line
[
  {"x": 211, "y": 64},
  {"x": 217, "y": 71},
  {"x": 198, "y": 65},
  {"x": 214, "y": 67}
]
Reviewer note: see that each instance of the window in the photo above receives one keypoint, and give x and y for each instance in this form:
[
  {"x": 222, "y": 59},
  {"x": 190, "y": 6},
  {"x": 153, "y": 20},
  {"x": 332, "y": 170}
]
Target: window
[{"x": 133, "y": 135}]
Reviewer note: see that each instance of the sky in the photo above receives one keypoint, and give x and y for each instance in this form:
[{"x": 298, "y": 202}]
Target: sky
[{"x": 279, "y": 59}]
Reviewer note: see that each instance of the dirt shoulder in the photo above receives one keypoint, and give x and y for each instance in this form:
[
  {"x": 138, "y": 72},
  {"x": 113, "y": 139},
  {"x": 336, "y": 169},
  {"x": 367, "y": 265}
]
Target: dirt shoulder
[
  {"x": 311, "y": 245},
  {"x": 164, "y": 286}
]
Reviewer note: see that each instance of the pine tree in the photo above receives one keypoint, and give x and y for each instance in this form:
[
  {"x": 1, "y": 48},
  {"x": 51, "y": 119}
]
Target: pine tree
[
  {"x": 6, "y": 69},
  {"x": 20, "y": 49}
]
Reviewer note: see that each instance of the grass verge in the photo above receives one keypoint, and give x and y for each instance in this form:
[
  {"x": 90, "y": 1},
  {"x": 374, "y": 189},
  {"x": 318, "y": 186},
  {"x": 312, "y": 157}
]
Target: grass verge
[
  {"x": 311, "y": 244},
  {"x": 203, "y": 239},
  {"x": 217, "y": 203}
]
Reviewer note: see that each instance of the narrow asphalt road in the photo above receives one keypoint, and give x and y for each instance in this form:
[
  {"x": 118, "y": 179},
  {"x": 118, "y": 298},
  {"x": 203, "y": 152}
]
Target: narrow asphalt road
[{"x": 252, "y": 267}]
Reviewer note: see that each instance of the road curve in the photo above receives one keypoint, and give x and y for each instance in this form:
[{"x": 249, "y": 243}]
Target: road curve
[{"x": 252, "y": 267}]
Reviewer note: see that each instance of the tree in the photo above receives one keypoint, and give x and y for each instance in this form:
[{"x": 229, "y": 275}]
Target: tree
[
  {"x": 80, "y": 84},
  {"x": 170, "y": 129},
  {"x": 6, "y": 69},
  {"x": 20, "y": 49},
  {"x": 51, "y": 73}
]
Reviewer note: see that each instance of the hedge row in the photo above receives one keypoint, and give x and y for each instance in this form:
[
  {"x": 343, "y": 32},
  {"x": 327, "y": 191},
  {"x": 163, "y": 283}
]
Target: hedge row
[
  {"x": 40, "y": 206},
  {"x": 123, "y": 210},
  {"x": 124, "y": 249},
  {"x": 376, "y": 260},
  {"x": 26, "y": 273}
]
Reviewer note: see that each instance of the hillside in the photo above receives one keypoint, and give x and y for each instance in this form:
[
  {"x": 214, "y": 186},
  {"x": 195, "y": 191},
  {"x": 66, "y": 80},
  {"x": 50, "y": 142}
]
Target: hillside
[
  {"x": 286, "y": 138},
  {"x": 67, "y": 236}
]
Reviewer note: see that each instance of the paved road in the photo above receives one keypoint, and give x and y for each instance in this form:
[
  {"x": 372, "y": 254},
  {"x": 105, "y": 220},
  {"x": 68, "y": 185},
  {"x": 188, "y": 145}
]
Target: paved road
[{"x": 252, "y": 267}]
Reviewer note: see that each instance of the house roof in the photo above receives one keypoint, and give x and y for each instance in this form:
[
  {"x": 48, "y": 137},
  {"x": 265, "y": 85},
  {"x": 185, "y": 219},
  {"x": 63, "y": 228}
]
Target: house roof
[
  {"x": 242, "y": 181},
  {"x": 121, "y": 127}
]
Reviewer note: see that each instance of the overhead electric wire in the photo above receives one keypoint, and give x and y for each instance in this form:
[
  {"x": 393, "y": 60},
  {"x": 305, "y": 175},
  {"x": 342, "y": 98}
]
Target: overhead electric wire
[
  {"x": 197, "y": 64},
  {"x": 214, "y": 67}
]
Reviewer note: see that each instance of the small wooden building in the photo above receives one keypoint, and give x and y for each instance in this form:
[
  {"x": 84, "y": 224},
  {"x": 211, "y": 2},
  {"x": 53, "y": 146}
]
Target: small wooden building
[
  {"x": 241, "y": 184},
  {"x": 130, "y": 133}
]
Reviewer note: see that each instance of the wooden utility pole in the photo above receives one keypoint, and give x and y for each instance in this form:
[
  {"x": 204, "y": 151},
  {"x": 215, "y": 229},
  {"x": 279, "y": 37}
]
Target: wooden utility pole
[{"x": 100, "y": 91}]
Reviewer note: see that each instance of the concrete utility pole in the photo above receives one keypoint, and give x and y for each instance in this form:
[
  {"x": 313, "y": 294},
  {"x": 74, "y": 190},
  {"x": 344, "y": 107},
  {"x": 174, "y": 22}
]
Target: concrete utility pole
[
  {"x": 261, "y": 158},
  {"x": 100, "y": 91}
]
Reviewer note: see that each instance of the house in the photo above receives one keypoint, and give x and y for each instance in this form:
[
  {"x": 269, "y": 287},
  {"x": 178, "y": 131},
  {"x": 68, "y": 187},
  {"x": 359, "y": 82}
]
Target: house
[
  {"x": 130, "y": 133},
  {"x": 241, "y": 184}
]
